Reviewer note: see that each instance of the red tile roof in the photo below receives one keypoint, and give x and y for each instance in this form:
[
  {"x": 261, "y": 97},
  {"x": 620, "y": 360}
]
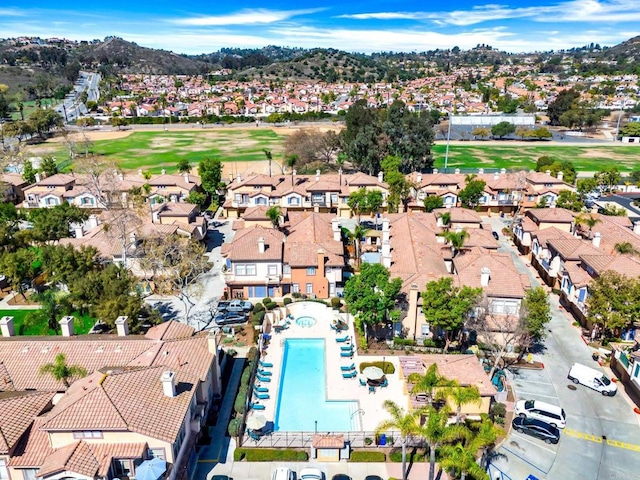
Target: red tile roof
[{"x": 18, "y": 412}]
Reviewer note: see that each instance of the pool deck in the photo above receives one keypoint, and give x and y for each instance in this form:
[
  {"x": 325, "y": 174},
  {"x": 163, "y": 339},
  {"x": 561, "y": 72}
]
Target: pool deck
[{"x": 370, "y": 406}]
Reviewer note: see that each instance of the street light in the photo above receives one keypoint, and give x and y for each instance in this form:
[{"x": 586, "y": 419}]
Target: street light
[{"x": 316, "y": 427}]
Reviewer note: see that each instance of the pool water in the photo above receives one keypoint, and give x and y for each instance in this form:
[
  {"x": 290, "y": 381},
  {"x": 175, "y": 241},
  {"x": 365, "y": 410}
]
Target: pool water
[
  {"x": 306, "y": 321},
  {"x": 302, "y": 394}
]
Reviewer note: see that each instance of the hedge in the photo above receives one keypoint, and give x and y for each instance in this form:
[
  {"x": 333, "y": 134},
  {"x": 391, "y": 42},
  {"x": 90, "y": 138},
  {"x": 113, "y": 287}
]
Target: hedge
[
  {"x": 269, "y": 455},
  {"x": 404, "y": 341},
  {"x": 234, "y": 427},
  {"x": 287, "y": 301},
  {"x": 396, "y": 456},
  {"x": 335, "y": 303},
  {"x": 387, "y": 368},
  {"x": 366, "y": 456},
  {"x": 258, "y": 317},
  {"x": 258, "y": 307}
]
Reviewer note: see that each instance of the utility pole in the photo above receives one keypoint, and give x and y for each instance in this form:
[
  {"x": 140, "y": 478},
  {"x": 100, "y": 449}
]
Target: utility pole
[{"x": 446, "y": 152}]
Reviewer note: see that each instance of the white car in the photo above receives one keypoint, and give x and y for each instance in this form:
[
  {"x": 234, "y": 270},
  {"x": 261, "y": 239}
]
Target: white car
[
  {"x": 311, "y": 473},
  {"x": 282, "y": 473}
]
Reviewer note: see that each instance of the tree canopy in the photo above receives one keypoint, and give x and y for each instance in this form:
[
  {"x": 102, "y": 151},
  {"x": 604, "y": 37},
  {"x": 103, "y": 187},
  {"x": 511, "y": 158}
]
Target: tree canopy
[
  {"x": 471, "y": 194},
  {"x": 613, "y": 301}
]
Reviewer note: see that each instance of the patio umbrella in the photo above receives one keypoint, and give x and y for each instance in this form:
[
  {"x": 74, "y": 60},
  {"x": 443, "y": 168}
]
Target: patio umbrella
[
  {"x": 256, "y": 422},
  {"x": 151, "y": 469},
  {"x": 373, "y": 373}
]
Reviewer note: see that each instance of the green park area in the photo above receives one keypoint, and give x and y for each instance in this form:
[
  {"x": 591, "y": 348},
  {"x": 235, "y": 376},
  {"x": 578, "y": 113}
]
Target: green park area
[{"x": 23, "y": 326}]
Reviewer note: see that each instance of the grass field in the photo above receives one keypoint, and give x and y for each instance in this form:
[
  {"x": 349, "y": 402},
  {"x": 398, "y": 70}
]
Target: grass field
[
  {"x": 157, "y": 150},
  {"x": 81, "y": 325},
  {"x": 585, "y": 158}
]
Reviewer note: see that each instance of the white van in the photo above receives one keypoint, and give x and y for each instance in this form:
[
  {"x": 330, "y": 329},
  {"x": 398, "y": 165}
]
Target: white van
[
  {"x": 551, "y": 414},
  {"x": 282, "y": 473},
  {"x": 592, "y": 378}
]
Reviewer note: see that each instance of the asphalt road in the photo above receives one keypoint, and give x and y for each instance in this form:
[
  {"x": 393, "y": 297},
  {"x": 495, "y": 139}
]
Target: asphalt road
[
  {"x": 624, "y": 201},
  {"x": 602, "y": 438}
]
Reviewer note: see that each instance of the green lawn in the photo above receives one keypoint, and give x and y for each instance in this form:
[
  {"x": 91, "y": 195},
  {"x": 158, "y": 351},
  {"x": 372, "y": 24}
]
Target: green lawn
[
  {"x": 81, "y": 325},
  {"x": 585, "y": 158}
]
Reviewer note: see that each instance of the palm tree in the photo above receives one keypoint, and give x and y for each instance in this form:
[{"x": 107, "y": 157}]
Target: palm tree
[
  {"x": 291, "y": 161},
  {"x": 273, "y": 214},
  {"x": 446, "y": 220},
  {"x": 485, "y": 437},
  {"x": 355, "y": 237},
  {"x": 60, "y": 371},
  {"x": 463, "y": 395},
  {"x": 408, "y": 423},
  {"x": 269, "y": 155},
  {"x": 456, "y": 240},
  {"x": 625, "y": 248},
  {"x": 437, "y": 431},
  {"x": 461, "y": 459},
  {"x": 431, "y": 383},
  {"x": 589, "y": 220}
]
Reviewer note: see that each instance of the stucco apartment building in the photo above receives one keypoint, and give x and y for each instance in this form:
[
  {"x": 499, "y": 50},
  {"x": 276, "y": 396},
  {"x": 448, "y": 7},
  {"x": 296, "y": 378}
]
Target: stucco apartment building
[{"x": 144, "y": 396}]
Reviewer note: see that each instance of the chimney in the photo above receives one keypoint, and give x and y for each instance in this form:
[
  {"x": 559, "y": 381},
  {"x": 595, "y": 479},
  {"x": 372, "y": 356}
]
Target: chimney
[
  {"x": 481, "y": 171},
  {"x": 340, "y": 176},
  {"x": 485, "y": 274},
  {"x": 261, "y": 245},
  {"x": 168, "y": 383},
  {"x": 596, "y": 240},
  {"x": 419, "y": 177},
  {"x": 239, "y": 178},
  {"x": 435, "y": 171},
  {"x": 335, "y": 228},
  {"x": 66, "y": 325},
  {"x": 317, "y": 175},
  {"x": 186, "y": 177},
  {"x": 38, "y": 178},
  {"x": 386, "y": 248},
  {"x": 496, "y": 176},
  {"x": 380, "y": 177},
  {"x": 321, "y": 257},
  {"x": 7, "y": 327},
  {"x": 92, "y": 222},
  {"x": 295, "y": 172},
  {"x": 386, "y": 261},
  {"x": 560, "y": 175},
  {"x": 139, "y": 172},
  {"x": 385, "y": 224},
  {"x": 457, "y": 171},
  {"x": 503, "y": 171},
  {"x": 163, "y": 172},
  {"x": 212, "y": 342},
  {"x": 548, "y": 172},
  {"x": 78, "y": 231},
  {"x": 636, "y": 228},
  {"x": 132, "y": 238},
  {"x": 121, "y": 176},
  {"x": 122, "y": 326}
]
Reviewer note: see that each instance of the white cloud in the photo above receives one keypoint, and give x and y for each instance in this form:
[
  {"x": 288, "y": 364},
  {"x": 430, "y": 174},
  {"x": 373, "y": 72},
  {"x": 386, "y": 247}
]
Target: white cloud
[
  {"x": 12, "y": 12},
  {"x": 243, "y": 17},
  {"x": 384, "y": 16}
]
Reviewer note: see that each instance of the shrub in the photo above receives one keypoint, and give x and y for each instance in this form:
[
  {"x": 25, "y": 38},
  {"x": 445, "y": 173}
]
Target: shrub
[
  {"x": 404, "y": 341},
  {"x": 231, "y": 352},
  {"x": 368, "y": 441},
  {"x": 498, "y": 412},
  {"x": 335, "y": 303},
  {"x": 412, "y": 455},
  {"x": 258, "y": 317},
  {"x": 234, "y": 427},
  {"x": 266, "y": 300},
  {"x": 429, "y": 342},
  {"x": 270, "y": 455},
  {"x": 287, "y": 301},
  {"x": 387, "y": 368},
  {"x": 271, "y": 305},
  {"x": 240, "y": 403},
  {"x": 252, "y": 354},
  {"x": 258, "y": 307},
  {"x": 246, "y": 375},
  {"x": 366, "y": 456},
  {"x": 296, "y": 295}
]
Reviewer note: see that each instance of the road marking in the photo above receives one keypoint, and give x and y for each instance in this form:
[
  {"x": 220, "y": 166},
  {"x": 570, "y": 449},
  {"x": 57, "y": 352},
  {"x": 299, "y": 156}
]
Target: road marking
[
  {"x": 524, "y": 460},
  {"x": 521, "y": 393},
  {"x": 523, "y": 437},
  {"x": 533, "y": 381},
  {"x": 598, "y": 439}
]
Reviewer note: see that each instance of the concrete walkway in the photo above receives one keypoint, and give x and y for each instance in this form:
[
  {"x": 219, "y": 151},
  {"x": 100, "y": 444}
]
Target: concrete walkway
[{"x": 220, "y": 450}]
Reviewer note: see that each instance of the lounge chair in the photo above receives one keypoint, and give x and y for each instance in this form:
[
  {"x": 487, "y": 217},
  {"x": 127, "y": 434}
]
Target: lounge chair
[
  {"x": 263, "y": 379},
  {"x": 348, "y": 368},
  {"x": 348, "y": 354},
  {"x": 362, "y": 381},
  {"x": 265, "y": 364},
  {"x": 334, "y": 327},
  {"x": 261, "y": 389},
  {"x": 372, "y": 389},
  {"x": 265, "y": 373},
  {"x": 384, "y": 383},
  {"x": 352, "y": 374},
  {"x": 346, "y": 347},
  {"x": 262, "y": 396},
  {"x": 256, "y": 406},
  {"x": 343, "y": 339},
  {"x": 253, "y": 435}
]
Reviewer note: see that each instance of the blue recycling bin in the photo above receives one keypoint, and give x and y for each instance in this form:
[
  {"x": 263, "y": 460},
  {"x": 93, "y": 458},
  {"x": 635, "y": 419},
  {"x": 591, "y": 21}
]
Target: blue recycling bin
[{"x": 383, "y": 440}]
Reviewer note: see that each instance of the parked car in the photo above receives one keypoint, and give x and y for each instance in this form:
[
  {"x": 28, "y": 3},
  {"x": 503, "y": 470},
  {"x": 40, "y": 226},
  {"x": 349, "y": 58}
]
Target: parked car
[
  {"x": 495, "y": 235},
  {"x": 551, "y": 414},
  {"x": 239, "y": 306},
  {"x": 341, "y": 476},
  {"x": 282, "y": 473},
  {"x": 230, "y": 318},
  {"x": 222, "y": 306},
  {"x": 99, "y": 327},
  {"x": 311, "y": 473},
  {"x": 592, "y": 378},
  {"x": 536, "y": 428}
]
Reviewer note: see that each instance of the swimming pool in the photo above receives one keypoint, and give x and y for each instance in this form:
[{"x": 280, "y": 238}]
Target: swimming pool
[
  {"x": 302, "y": 395},
  {"x": 306, "y": 321}
]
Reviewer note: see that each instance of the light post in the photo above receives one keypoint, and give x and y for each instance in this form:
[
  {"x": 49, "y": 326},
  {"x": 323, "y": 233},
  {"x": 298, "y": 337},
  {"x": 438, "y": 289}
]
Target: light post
[
  {"x": 316, "y": 426},
  {"x": 446, "y": 152}
]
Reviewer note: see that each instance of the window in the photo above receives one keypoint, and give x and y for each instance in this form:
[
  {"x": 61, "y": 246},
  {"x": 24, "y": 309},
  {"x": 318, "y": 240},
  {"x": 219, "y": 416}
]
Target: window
[
  {"x": 4, "y": 473},
  {"x": 87, "y": 434},
  {"x": 507, "y": 307},
  {"x": 286, "y": 269},
  {"x": 311, "y": 271},
  {"x": 295, "y": 288},
  {"x": 294, "y": 201},
  {"x": 334, "y": 198},
  {"x": 243, "y": 269},
  {"x": 29, "y": 473},
  {"x": 272, "y": 270},
  {"x": 309, "y": 288},
  {"x": 424, "y": 330},
  {"x": 261, "y": 201},
  {"x": 251, "y": 269},
  {"x": 123, "y": 467},
  {"x": 157, "y": 453}
]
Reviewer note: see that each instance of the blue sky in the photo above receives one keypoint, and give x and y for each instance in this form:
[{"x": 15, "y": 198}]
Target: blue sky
[{"x": 199, "y": 26}]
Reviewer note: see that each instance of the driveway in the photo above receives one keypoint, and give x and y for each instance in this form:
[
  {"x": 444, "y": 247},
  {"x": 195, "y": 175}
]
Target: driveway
[{"x": 602, "y": 438}]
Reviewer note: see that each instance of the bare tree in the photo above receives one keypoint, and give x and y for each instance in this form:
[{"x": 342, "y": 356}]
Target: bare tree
[{"x": 176, "y": 264}]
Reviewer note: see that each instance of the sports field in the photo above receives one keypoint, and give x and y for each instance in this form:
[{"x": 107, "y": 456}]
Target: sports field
[{"x": 242, "y": 150}]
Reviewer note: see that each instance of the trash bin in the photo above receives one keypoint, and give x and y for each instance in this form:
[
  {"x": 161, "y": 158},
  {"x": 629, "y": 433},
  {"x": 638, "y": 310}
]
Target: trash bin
[{"x": 383, "y": 440}]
